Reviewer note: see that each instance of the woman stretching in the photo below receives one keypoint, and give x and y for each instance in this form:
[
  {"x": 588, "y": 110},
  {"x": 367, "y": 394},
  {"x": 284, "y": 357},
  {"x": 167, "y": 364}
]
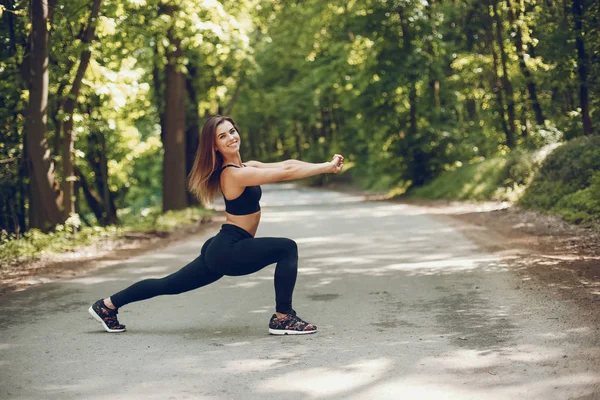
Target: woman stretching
[{"x": 234, "y": 250}]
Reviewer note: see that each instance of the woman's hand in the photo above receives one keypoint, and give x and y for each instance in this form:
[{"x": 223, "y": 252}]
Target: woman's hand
[{"x": 336, "y": 164}]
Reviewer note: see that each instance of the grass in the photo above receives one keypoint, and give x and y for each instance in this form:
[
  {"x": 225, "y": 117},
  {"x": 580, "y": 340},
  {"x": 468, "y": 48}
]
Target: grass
[
  {"x": 568, "y": 184},
  {"x": 502, "y": 178},
  {"x": 560, "y": 179},
  {"x": 34, "y": 243},
  {"x": 479, "y": 181}
]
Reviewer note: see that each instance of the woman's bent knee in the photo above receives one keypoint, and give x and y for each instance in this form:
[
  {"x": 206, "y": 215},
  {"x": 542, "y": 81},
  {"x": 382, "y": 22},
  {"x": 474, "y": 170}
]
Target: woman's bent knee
[{"x": 290, "y": 246}]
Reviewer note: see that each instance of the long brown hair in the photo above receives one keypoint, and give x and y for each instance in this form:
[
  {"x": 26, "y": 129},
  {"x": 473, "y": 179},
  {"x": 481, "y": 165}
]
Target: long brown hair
[{"x": 203, "y": 180}]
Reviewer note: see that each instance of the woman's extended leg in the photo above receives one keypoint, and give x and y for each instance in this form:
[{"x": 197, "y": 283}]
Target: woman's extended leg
[{"x": 193, "y": 276}]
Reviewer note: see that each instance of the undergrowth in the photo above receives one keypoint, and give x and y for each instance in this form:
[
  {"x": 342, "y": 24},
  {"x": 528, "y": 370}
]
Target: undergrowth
[
  {"x": 68, "y": 237},
  {"x": 502, "y": 178},
  {"x": 568, "y": 184}
]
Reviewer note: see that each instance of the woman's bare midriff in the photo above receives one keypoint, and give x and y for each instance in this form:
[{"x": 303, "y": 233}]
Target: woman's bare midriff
[{"x": 249, "y": 222}]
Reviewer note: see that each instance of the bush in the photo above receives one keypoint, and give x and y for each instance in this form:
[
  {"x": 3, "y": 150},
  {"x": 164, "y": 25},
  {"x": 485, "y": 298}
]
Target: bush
[
  {"x": 35, "y": 243},
  {"x": 518, "y": 169},
  {"x": 568, "y": 183}
]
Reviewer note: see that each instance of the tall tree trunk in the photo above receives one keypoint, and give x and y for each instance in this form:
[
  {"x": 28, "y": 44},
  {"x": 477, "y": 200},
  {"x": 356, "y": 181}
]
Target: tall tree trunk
[
  {"x": 510, "y": 100},
  {"x": 581, "y": 67},
  {"x": 535, "y": 104},
  {"x": 412, "y": 93},
  {"x": 298, "y": 137},
  {"x": 22, "y": 193},
  {"x": 10, "y": 17},
  {"x": 174, "y": 191},
  {"x": 434, "y": 81},
  {"x": 192, "y": 134},
  {"x": 418, "y": 160},
  {"x": 100, "y": 200},
  {"x": 192, "y": 137},
  {"x": 93, "y": 199},
  {"x": 69, "y": 109},
  {"x": 45, "y": 212},
  {"x": 497, "y": 87},
  {"x": 159, "y": 94},
  {"x": 108, "y": 197}
]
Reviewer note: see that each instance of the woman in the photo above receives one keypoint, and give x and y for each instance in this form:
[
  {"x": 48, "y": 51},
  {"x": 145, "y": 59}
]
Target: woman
[{"x": 233, "y": 251}]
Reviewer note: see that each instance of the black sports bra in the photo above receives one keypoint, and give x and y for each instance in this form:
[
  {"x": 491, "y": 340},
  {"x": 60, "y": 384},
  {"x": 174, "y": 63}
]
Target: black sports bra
[{"x": 247, "y": 202}]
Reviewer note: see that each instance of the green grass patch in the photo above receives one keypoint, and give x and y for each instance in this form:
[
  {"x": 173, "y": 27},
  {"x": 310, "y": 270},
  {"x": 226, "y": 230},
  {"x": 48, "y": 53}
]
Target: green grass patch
[
  {"x": 34, "y": 243},
  {"x": 568, "y": 184},
  {"x": 469, "y": 182},
  {"x": 499, "y": 178}
]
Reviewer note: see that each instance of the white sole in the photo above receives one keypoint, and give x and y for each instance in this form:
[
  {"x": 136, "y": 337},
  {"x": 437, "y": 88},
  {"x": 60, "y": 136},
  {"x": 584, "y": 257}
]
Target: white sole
[
  {"x": 284, "y": 332},
  {"x": 97, "y": 318}
]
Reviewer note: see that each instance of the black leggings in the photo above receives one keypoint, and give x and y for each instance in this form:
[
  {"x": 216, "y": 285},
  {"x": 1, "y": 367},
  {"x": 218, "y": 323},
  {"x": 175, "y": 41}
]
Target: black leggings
[{"x": 232, "y": 252}]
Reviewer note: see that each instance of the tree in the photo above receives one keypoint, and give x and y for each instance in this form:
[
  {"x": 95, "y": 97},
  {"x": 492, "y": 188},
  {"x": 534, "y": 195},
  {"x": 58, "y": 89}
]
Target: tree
[
  {"x": 520, "y": 47},
  {"x": 174, "y": 138},
  {"x": 578, "y": 16},
  {"x": 506, "y": 84},
  {"x": 45, "y": 212},
  {"x": 70, "y": 103}
]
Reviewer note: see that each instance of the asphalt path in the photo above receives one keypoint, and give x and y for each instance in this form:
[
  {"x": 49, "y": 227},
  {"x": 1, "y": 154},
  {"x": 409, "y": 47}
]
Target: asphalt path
[{"x": 406, "y": 306}]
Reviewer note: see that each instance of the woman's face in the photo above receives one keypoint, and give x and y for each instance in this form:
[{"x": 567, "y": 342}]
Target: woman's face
[{"x": 227, "y": 140}]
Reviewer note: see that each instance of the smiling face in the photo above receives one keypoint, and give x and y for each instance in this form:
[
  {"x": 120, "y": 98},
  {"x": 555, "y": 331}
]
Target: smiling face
[{"x": 227, "y": 139}]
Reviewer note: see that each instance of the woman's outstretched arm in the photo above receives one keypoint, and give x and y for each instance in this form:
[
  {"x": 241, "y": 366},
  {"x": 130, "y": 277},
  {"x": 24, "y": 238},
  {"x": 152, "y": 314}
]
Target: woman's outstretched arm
[
  {"x": 258, "y": 164},
  {"x": 286, "y": 171}
]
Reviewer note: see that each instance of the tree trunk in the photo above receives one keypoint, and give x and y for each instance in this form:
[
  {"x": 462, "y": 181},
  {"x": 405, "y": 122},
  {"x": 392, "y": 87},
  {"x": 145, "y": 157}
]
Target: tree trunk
[
  {"x": 70, "y": 104},
  {"x": 91, "y": 196},
  {"x": 100, "y": 200},
  {"x": 298, "y": 137},
  {"x": 535, "y": 104},
  {"x": 192, "y": 134},
  {"x": 497, "y": 86},
  {"x": 434, "y": 81},
  {"x": 418, "y": 160},
  {"x": 22, "y": 193},
  {"x": 412, "y": 93},
  {"x": 45, "y": 212},
  {"x": 174, "y": 166},
  {"x": 581, "y": 67},
  {"x": 158, "y": 91},
  {"x": 510, "y": 100},
  {"x": 108, "y": 198},
  {"x": 10, "y": 17}
]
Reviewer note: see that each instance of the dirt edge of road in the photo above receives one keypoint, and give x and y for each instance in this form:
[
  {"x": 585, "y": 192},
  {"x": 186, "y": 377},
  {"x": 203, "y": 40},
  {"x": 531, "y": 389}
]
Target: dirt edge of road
[
  {"x": 548, "y": 254},
  {"x": 560, "y": 256}
]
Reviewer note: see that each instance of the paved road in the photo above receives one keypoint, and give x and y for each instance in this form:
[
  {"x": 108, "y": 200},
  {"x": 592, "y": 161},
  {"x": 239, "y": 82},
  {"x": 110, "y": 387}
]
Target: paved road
[{"x": 406, "y": 306}]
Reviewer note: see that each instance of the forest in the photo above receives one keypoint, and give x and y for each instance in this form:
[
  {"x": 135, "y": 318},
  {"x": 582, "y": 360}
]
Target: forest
[{"x": 102, "y": 101}]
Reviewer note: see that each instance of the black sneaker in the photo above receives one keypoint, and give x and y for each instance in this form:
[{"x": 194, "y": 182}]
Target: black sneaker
[
  {"x": 106, "y": 316},
  {"x": 290, "y": 325}
]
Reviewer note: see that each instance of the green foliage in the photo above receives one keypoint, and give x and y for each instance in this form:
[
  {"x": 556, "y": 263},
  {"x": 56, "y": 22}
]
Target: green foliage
[
  {"x": 477, "y": 181},
  {"x": 34, "y": 243},
  {"x": 406, "y": 90},
  {"x": 518, "y": 169},
  {"x": 499, "y": 178},
  {"x": 568, "y": 183},
  {"x": 152, "y": 218}
]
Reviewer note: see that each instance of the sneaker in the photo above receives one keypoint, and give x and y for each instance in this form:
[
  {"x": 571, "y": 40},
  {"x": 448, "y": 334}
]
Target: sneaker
[
  {"x": 290, "y": 325},
  {"x": 106, "y": 316}
]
